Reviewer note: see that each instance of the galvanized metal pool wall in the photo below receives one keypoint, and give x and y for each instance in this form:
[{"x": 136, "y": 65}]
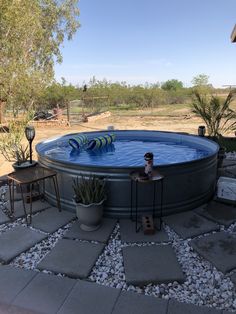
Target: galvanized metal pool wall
[{"x": 186, "y": 185}]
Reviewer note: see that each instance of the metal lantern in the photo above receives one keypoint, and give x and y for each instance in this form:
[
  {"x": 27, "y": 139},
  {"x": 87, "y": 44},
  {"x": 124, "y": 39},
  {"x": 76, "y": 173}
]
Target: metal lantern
[
  {"x": 30, "y": 134},
  {"x": 201, "y": 130}
]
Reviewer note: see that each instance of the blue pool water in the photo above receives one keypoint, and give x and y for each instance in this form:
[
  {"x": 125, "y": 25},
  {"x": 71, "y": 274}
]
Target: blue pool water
[{"x": 126, "y": 153}]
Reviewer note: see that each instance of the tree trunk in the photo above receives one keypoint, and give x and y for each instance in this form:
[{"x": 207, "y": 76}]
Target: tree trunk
[{"x": 2, "y": 106}]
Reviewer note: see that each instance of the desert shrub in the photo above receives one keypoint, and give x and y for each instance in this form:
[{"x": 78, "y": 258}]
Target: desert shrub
[{"x": 216, "y": 113}]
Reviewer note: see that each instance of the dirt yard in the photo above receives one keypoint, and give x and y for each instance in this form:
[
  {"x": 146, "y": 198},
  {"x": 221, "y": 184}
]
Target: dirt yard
[{"x": 179, "y": 122}]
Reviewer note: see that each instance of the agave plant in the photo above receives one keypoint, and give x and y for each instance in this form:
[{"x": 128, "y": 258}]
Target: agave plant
[
  {"x": 89, "y": 190},
  {"x": 216, "y": 113}
]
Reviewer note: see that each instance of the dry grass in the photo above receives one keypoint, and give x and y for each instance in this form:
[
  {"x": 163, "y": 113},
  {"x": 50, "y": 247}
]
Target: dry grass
[{"x": 176, "y": 118}]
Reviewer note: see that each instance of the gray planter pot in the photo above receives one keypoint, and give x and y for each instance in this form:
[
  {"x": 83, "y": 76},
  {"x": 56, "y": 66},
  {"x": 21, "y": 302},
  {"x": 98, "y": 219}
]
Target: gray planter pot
[
  {"x": 89, "y": 216},
  {"x": 24, "y": 165}
]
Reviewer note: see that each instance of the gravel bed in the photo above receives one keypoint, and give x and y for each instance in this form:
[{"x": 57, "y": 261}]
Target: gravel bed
[
  {"x": 204, "y": 284},
  {"x": 31, "y": 258},
  {"x": 230, "y": 155}
]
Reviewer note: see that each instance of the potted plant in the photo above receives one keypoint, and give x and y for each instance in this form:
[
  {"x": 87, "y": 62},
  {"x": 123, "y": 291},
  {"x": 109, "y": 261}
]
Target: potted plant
[
  {"x": 11, "y": 146},
  {"x": 89, "y": 196},
  {"x": 21, "y": 154}
]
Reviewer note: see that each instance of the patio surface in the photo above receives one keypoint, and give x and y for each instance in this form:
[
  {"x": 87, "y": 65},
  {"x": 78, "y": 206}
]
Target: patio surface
[{"x": 61, "y": 278}]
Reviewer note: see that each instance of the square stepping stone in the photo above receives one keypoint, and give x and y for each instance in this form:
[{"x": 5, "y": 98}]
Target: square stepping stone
[
  {"x": 88, "y": 298},
  {"x": 17, "y": 196},
  {"x": 175, "y": 307},
  {"x": 219, "y": 212},
  {"x": 19, "y": 211},
  {"x": 17, "y": 240},
  {"x": 72, "y": 258},
  {"x": 101, "y": 235},
  {"x": 151, "y": 264},
  {"x": 189, "y": 224},
  {"x": 129, "y": 302},
  {"x": 13, "y": 280},
  {"x": 3, "y": 218},
  {"x": 45, "y": 293},
  {"x": 129, "y": 235},
  {"x": 11, "y": 309},
  {"x": 218, "y": 248},
  {"x": 51, "y": 219},
  {"x": 229, "y": 163}
]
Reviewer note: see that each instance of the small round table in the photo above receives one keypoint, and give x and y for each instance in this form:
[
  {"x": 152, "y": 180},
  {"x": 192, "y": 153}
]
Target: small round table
[{"x": 139, "y": 178}]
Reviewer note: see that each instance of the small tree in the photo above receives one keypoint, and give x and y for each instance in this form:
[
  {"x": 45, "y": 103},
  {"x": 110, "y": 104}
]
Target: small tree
[
  {"x": 172, "y": 85},
  {"x": 200, "y": 80},
  {"x": 31, "y": 35},
  {"x": 216, "y": 113}
]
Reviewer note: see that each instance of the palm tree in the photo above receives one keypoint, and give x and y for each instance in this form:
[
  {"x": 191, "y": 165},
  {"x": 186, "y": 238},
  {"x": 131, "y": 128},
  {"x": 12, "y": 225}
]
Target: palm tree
[{"x": 216, "y": 113}]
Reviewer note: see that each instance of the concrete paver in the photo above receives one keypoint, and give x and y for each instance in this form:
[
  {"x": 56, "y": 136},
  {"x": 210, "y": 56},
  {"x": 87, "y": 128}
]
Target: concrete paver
[
  {"x": 12, "y": 281},
  {"x": 36, "y": 207},
  {"x": 17, "y": 240},
  {"x": 189, "y": 224},
  {"x": 3, "y": 218},
  {"x": 17, "y": 196},
  {"x": 219, "y": 212},
  {"x": 45, "y": 293},
  {"x": 151, "y": 264},
  {"x": 218, "y": 248},
  {"x": 88, "y": 298},
  {"x": 101, "y": 235},
  {"x": 129, "y": 235},
  {"x": 51, "y": 219},
  {"x": 175, "y": 307},
  {"x": 11, "y": 309},
  {"x": 73, "y": 258},
  {"x": 133, "y": 303}
]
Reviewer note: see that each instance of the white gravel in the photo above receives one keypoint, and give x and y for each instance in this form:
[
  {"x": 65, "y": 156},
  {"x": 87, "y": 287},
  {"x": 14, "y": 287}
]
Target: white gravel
[{"x": 204, "y": 284}]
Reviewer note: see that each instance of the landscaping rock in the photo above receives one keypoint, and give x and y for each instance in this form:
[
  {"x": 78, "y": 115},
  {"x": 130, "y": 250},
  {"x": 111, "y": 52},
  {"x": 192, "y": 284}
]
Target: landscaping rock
[{"x": 233, "y": 278}]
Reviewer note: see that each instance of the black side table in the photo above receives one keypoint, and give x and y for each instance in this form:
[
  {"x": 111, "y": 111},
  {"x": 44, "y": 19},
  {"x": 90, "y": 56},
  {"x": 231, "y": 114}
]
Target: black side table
[{"x": 137, "y": 178}]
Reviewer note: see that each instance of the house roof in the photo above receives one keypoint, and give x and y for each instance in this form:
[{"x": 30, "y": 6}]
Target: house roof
[{"x": 233, "y": 35}]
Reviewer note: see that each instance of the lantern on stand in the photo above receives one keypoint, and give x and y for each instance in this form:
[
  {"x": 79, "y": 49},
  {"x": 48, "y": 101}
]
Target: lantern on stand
[{"x": 30, "y": 135}]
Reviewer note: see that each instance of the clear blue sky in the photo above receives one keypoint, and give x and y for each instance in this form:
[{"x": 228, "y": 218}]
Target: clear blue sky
[{"x": 140, "y": 41}]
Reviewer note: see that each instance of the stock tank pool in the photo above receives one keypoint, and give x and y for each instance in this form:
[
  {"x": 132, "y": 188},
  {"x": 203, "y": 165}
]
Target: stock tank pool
[{"x": 188, "y": 163}]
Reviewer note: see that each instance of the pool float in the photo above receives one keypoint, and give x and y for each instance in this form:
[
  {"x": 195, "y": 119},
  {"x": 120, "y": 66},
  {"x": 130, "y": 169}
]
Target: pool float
[
  {"x": 100, "y": 142},
  {"x": 78, "y": 142}
]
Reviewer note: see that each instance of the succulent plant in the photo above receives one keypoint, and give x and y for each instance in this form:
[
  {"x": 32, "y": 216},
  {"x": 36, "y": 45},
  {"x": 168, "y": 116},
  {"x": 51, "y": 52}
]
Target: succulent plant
[{"x": 88, "y": 190}]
